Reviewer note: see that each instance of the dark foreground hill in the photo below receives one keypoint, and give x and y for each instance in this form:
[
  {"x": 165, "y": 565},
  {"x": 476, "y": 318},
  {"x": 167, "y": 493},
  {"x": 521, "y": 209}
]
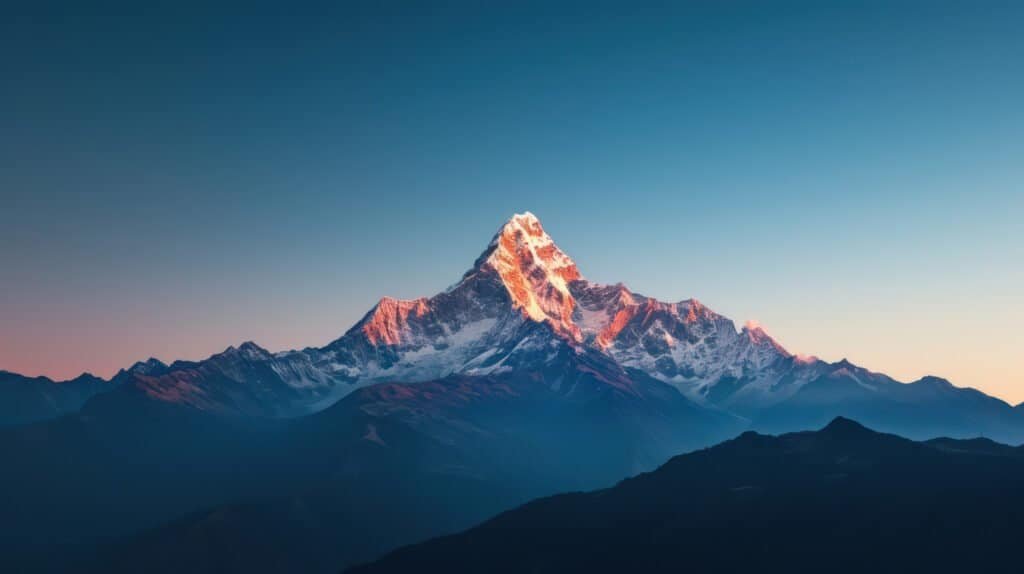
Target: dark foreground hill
[{"x": 842, "y": 499}]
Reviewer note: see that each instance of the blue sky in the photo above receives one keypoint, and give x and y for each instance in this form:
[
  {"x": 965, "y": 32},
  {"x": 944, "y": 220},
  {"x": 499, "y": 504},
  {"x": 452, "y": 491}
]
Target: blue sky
[{"x": 179, "y": 177}]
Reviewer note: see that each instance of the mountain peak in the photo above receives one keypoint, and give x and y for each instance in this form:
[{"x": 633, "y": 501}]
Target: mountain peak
[
  {"x": 247, "y": 350},
  {"x": 935, "y": 381},
  {"x": 523, "y": 236},
  {"x": 534, "y": 270},
  {"x": 526, "y": 216},
  {"x": 85, "y": 377},
  {"x": 843, "y": 427},
  {"x": 755, "y": 332},
  {"x": 386, "y": 322}
]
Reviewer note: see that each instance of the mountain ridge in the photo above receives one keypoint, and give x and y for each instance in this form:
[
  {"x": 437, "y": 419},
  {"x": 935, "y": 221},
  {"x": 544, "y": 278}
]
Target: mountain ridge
[
  {"x": 29, "y": 399},
  {"x": 521, "y": 301},
  {"x": 844, "y": 498}
]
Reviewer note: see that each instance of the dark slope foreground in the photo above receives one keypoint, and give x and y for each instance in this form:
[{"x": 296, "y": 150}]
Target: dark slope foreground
[
  {"x": 842, "y": 499},
  {"x": 447, "y": 455},
  {"x": 72, "y": 482},
  {"x": 160, "y": 487}
]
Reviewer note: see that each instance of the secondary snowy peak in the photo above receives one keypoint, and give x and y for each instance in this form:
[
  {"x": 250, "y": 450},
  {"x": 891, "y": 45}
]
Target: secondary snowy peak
[
  {"x": 685, "y": 343},
  {"x": 534, "y": 270},
  {"x": 758, "y": 337},
  {"x": 610, "y": 315},
  {"x": 147, "y": 367},
  {"x": 387, "y": 322}
]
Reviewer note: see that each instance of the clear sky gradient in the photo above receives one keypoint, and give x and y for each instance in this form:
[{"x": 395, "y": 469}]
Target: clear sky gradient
[{"x": 179, "y": 177}]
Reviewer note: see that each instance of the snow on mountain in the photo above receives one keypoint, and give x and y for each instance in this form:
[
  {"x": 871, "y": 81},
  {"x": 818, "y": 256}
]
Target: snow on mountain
[
  {"x": 513, "y": 302},
  {"x": 523, "y": 278},
  {"x": 689, "y": 346},
  {"x": 512, "y": 309},
  {"x": 523, "y": 304},
  {"x": 535, "y": 272}
]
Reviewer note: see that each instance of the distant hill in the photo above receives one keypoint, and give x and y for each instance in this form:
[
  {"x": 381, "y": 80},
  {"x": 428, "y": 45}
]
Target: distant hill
[
  {"x": 842, "y": 499},
  {"x": 29, "y": 399}
]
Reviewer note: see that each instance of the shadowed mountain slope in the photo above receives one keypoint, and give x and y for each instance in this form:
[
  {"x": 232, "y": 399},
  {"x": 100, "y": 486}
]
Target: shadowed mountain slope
[
  {"x": 29, "y": 399},
  {"x": 842, "y": 499},
  {"x": 449, "y": 452}
]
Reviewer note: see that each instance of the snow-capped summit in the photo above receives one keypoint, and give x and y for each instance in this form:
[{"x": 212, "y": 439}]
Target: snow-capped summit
[
  {"x": 534, "y": 271},
  {"x": 524, "y": 283},
  {"x": 522, "y": 243}
]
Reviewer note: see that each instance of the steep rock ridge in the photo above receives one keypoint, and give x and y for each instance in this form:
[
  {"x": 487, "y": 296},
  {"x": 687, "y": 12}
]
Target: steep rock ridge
[
  {"x": 685, "y": 343},
  {"x": 390, "y": 318},
  {"x": 535, "y": 272},
  {"x": 245, "y": 380}
]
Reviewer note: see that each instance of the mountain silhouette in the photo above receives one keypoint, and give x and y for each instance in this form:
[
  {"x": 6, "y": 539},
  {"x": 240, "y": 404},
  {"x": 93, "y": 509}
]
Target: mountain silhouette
[{"x": 841, "y": 499}]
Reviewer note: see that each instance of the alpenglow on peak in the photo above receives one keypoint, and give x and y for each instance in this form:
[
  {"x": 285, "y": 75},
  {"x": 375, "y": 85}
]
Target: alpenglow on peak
[{"x": 535, "y": 271}]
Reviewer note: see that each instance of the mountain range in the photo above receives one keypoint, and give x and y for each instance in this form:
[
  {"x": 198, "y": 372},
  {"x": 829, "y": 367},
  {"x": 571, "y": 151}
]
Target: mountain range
[
  {"x": 523, "y": 379},
  {"x": 525, "y": 305},
  {"x": 841, "y": 499},
  {"x": 27, "y": 399}
]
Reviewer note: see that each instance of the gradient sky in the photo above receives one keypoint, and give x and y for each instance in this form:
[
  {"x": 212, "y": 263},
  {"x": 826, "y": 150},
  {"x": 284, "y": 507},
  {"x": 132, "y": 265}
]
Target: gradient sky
[{"x": 179, "y": 177}]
